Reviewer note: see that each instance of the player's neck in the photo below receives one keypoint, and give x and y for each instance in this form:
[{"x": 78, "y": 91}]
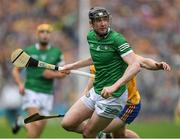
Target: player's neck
[
  {"x": 40, "y": 46},
  {"x": 43, "y": 47}
]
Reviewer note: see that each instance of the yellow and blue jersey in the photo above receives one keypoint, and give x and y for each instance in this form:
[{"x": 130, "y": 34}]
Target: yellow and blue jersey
[{"x": 133, "y": 93}]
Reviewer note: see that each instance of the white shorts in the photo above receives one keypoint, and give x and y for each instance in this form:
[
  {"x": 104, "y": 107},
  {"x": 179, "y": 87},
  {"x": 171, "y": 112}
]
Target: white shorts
[
  {"x": 42, "y": 101},
  {"x": 109, "y": 108}
]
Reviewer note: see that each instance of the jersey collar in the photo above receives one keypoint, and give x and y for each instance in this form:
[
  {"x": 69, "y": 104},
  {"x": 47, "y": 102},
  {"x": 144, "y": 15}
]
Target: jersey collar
[{"x": 38, "y": 47}]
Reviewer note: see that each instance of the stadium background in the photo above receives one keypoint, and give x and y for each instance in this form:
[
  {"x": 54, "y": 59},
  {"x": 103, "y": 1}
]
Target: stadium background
[{"x": 151, "y": 27}]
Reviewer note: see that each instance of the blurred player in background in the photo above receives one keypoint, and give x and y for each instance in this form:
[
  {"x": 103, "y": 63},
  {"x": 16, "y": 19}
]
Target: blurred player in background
[{"x": 38, "y": 88}]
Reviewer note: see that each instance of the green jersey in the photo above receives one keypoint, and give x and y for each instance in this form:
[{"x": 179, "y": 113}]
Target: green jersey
[
  {"x": 107, "y": 56},
  {"x": 34, "y": 76}
]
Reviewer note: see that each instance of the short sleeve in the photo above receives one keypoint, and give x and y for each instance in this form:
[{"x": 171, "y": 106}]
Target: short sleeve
[
  {"x": 61, "y": 59},
  {"x": 122, "y": 46}
]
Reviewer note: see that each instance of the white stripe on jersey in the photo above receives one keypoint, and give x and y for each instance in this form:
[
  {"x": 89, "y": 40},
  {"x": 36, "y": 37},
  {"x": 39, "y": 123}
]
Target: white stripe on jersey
[
  {"x": 127, "y": 46},
  {"x": 123, "y": 46},
  {"x": 128, "y": 52}
]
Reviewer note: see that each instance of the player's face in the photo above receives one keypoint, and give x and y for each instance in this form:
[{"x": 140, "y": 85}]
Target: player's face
[
  {"x": 44, "y": 36},
  {"x": 100, "y": 25}
]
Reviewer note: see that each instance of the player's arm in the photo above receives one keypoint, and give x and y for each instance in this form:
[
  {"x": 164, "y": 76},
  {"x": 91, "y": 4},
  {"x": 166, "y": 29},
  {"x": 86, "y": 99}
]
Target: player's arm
[
  {"x": 151, "y": 64},
  {"x": 90, "y": 81},
  {"x": 78, "y": 64},
  {"x": 132, "y": 69},
  {"x": 17, "y": 78},
  {"x": 88, "y": 86},
  {"x": 49, "y": 74}
]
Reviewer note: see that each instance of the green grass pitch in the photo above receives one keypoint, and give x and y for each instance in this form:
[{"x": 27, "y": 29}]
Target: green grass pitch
[{"x": 144, "y": 129}]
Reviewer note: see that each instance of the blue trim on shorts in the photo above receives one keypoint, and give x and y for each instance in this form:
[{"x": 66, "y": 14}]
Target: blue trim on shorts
[{"x": 129, "y": 113}]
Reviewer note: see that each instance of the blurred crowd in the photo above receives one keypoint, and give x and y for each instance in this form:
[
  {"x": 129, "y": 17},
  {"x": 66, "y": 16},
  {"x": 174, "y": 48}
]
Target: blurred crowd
[{"x": 151, "y": 27}]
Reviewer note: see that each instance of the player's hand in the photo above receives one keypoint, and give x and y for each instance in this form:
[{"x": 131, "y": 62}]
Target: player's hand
[
  {"x": 21, "y": 89},
  {"x": 64, "y": 73},
  {"x": 67, "y": 67},
  {"x": 163, "y": 65},
  {"x": 107, "y": 92}
]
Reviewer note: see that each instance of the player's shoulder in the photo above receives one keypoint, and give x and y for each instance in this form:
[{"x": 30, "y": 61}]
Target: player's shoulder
[
  {"x": 90, "y": 34},
  {"x": 55, "y": 50},
  {"x": 30, "y": 48},
  {"x": 116, "y": 35},
  {"x": 118, "y": 38}
]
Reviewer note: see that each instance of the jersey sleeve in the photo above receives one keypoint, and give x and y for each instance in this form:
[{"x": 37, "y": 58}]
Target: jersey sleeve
[
  {"x": 27, "y": 49},
  {"x": 61, "y": 59},
  {"x": 122, "y": 46},
  {"x": 88, "y": 37}
]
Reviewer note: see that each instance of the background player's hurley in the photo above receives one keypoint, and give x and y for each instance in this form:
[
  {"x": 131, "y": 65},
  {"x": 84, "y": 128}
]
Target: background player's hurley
[
  {"x": 37, "y": 117},
  {"x": 21, "y": 59}
]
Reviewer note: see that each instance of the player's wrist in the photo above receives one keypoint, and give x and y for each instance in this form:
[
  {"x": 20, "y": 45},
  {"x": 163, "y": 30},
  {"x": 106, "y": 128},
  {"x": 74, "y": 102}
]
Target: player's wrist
[{"x": 115, "y": 87}]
